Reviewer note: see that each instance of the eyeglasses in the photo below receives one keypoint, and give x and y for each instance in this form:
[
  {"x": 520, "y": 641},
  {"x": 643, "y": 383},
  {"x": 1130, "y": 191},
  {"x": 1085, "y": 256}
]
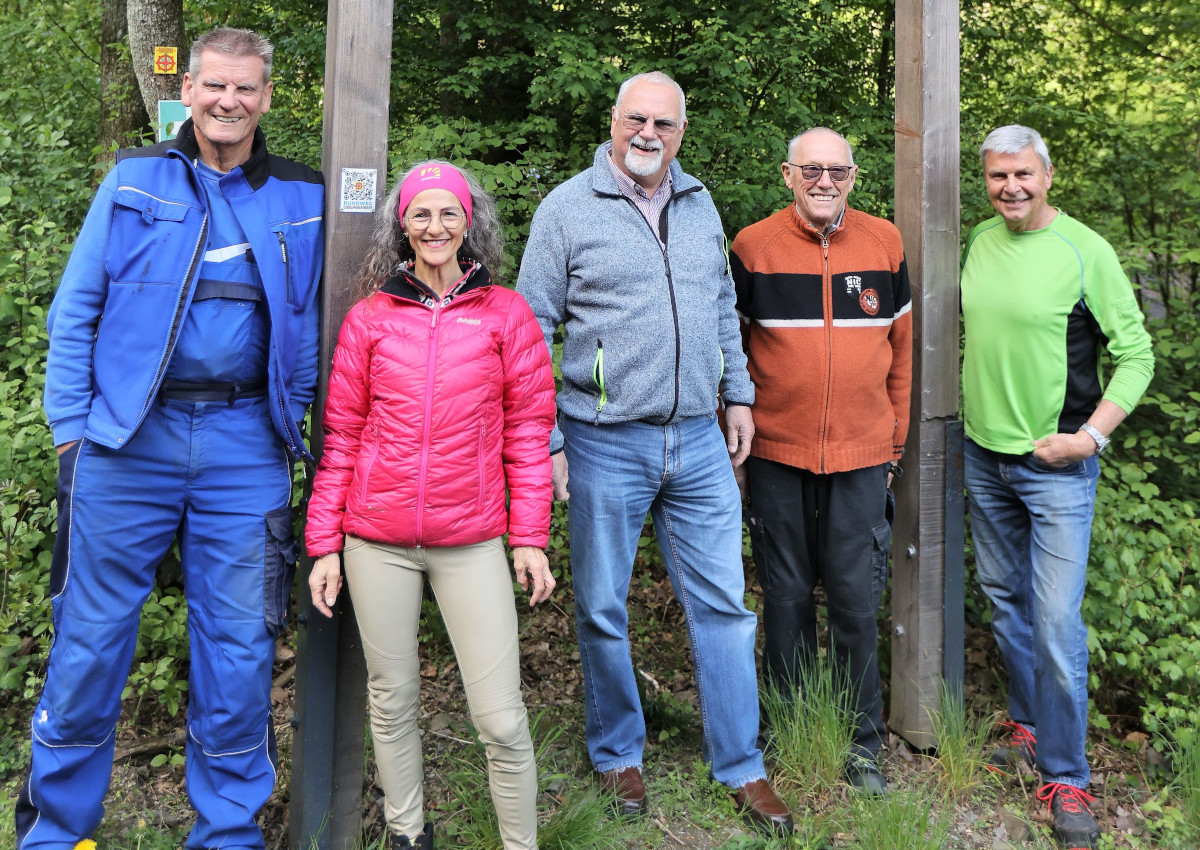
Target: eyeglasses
[
  {"x": 421, "y": 219},
  {"x": 837, "y": 173},
  {"x": 662, "y": 126}
]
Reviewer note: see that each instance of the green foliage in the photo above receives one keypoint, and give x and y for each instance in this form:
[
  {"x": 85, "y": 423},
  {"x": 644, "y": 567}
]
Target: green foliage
[
  {"x": 810, "y": 733},
  {"x": 666, "y": 715},
  {"x": 44, "y": 188},
  {"x": 1143, "y": 600},
  {"x": 297, "y": 30},
  {"x": 1186, "y": 788},
  {"x": 160, "y": 665},
  {"x": 579, "y": 817},
  {"x": 1174, "y": 813},
  {"x": 1112, "y": 88},
  {"x": 47, "y": 137},
  {"x": 524, "y": 90},
  {"x": 905, "y": 819},
  {"x": 962, "y": 741},
  {"x": 520, "y": 92}
]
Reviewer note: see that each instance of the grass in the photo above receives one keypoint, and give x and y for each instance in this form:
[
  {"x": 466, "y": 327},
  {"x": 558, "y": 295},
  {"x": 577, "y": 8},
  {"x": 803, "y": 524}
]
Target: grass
[
  {"x": 962, "y": 743},
  {"x": 906, "y": 819},
  {"x": 579, "y": 817},
  {"x": 1186, "y": 786},
  {"x": 810, "y": 733},
  {"x": 811, "y": 740},
  {"x": 1180, "y": 800}
]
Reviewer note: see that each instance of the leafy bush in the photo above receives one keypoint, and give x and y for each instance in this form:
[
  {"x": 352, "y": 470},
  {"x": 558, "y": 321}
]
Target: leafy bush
[
  {"x": 34, "y": 240},
  {"x": 47, "y": 138},
  {"x": 1143, "y": 601}
]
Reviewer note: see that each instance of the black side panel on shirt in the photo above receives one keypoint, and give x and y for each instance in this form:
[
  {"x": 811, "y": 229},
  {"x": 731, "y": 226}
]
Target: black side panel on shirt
[{"x": 1084, "y": 339}]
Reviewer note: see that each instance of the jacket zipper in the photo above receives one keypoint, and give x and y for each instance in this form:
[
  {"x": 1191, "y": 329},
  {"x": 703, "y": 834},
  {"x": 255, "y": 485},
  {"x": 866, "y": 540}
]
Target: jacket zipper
[
  {"x": 287, "y": 270},
  {"x": 827, "y": 303},
  {"x": 662, "y": 246},
  {"x": 423, "y": 470}
]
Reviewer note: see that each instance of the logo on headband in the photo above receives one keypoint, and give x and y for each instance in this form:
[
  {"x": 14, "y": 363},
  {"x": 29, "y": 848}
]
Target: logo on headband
[{"x": 430, "y": 172}]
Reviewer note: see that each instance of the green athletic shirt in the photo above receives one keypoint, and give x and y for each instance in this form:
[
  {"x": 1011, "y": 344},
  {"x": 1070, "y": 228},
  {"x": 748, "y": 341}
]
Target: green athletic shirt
[{"x": 1036, "y": 307}]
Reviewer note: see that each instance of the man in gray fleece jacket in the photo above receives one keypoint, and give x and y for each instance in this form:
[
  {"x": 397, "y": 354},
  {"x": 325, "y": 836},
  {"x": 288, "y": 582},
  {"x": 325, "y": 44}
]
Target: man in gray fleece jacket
[{"x": 628, "y": 256}]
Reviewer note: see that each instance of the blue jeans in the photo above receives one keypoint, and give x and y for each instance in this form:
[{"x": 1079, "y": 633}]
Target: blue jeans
[
  {"x": 681, "y": 474},
  {"x": 1032, "y": 525}
]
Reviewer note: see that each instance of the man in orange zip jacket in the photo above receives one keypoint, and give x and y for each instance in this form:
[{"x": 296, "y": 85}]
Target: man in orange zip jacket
[{"x": 823, "y": 294}]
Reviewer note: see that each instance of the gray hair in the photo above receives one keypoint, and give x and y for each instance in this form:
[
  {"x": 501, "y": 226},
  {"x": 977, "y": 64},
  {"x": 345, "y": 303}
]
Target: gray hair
[
  {"x": 1014, "y": 138},
  {"x": 232, "y": 42},
  {"x": 654, "y": 77},
  {"x": 483, "y": 241},
  {"x": 792, "y": 144}
]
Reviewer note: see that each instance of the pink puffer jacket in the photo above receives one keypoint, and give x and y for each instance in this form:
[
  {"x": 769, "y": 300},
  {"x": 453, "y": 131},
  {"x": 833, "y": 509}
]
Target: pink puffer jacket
[{"x": 433, "y": 410}]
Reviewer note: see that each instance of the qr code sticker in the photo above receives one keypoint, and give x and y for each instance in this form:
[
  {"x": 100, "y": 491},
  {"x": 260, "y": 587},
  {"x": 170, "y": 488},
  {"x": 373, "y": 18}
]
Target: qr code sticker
[{"x": 358, "y": 190}]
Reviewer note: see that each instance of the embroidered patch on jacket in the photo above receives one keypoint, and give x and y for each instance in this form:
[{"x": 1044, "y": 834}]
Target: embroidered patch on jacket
[
  {"x": 853, "y": 284},
  {"x": 869, "y": 301}
]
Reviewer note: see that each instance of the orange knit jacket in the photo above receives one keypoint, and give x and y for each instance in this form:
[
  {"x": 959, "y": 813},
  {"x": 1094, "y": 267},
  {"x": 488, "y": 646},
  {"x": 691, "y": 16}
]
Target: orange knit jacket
[{"x": 827, "y": 326}]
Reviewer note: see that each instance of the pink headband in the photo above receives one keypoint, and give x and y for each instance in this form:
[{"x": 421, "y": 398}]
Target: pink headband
[{"x": 435, "y": 177}]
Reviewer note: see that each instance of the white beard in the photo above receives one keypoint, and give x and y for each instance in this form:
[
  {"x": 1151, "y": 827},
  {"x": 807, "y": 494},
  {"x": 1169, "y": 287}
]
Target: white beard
[{"x": 641, "y": 165}]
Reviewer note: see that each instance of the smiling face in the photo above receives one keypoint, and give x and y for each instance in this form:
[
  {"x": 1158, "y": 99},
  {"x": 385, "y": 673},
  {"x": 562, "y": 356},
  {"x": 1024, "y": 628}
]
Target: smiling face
[
  {"x": 1017, "y": 185},
  {"x": 433, "y": 243},
  {"x": 645, "y": 154},
  {"x": 227, "y": 96},
  {"x": 819, "y": 201}
]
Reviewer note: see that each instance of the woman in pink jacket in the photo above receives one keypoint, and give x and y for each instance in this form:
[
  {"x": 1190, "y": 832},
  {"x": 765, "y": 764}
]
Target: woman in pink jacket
[{"x": 441, "y": 398}]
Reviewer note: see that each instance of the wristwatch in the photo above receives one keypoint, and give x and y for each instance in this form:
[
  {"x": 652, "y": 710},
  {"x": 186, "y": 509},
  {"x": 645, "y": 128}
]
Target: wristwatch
[{"x": 1093, "y": 432}]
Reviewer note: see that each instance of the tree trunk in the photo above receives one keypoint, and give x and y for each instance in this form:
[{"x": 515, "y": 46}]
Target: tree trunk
[
  {"x": 156, "y": 23},
  {"x": 123, "y": 115}
]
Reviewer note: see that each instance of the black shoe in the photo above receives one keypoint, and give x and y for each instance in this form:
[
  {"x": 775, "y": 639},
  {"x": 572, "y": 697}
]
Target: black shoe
[
  {"x": 1075, "y": 826},
  {"x": 401, "y": 842},
  {"x": 1019, "y": 747},
  {"x": 863, "y": 775}
]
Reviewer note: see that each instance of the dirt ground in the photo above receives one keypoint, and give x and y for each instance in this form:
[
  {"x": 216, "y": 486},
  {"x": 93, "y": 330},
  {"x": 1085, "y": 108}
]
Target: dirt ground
[{"x": 994, "y": 818}]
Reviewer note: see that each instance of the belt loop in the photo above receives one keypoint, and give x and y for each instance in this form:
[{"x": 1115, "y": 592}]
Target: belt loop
[{"x": 233, "y": 393}]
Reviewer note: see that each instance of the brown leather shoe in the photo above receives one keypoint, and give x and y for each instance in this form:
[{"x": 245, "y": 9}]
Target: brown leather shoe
[
  {"x": 627, "y": 789},
  {"x": 762, "y": 809}
]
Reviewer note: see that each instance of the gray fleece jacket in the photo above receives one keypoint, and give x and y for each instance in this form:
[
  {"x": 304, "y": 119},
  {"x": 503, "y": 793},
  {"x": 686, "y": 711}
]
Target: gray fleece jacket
[{"x": 649, "y": 334}]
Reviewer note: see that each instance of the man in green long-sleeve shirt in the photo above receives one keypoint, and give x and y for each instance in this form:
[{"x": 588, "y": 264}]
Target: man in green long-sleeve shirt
[{"x": 1041, "y": 293}]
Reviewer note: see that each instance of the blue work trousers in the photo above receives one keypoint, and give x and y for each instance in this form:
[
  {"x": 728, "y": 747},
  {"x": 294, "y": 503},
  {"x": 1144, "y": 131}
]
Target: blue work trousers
[{"x": 215, "y": 476}]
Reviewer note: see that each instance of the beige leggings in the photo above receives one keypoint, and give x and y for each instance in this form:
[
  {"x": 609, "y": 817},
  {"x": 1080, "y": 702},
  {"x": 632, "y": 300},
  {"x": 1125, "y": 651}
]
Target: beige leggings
[{"x": 474, "y": 591}]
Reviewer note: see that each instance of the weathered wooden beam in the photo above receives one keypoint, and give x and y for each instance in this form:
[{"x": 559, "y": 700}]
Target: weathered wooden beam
[
  {"x": 926, "y": 619},
  {"x": 331, "y": 690}
]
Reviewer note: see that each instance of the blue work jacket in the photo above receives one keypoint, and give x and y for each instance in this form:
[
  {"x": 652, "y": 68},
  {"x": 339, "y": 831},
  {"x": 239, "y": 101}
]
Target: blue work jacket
[{"x": 132, "y": 273}]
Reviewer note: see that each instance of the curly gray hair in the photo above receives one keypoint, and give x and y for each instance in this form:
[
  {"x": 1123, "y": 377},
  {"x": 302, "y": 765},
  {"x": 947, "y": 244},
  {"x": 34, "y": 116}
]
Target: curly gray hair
[{"x": 483, "y": 241}]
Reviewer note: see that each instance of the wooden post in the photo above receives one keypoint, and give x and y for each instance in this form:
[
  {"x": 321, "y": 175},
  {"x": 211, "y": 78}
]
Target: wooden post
[
  {"x": 927, "y": 545},
  {"x": 331, "y": 679}
]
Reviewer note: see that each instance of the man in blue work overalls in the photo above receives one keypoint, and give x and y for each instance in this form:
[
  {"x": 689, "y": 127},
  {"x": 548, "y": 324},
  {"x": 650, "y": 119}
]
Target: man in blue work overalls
[{"x": 183, "y": 353}]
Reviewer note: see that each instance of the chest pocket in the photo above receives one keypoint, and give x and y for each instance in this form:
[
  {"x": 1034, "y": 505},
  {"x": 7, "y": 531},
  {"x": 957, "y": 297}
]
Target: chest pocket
[
  {"x": 151, "y": 240},
  {"x": 298, "y": 245}
]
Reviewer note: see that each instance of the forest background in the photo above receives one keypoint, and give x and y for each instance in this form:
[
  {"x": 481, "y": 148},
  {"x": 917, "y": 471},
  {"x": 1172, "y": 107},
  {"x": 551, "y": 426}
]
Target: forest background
[{"x": 519, "y": 90}]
